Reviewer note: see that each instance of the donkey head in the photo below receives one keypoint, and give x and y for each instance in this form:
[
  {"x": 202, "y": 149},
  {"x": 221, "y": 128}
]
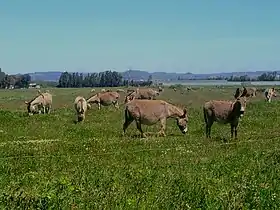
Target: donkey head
[
  {"x": 182, "y": 122},
  {"x": 31, "y": 105},
  {"x": 156, "y": 93},
  {"x": 93, "y": 99},
  {"x": 128, "y": 99},
  {"x": 239, "y": 105},
  {"x": 273, "y": 92},
  {"x": 30, "y": 109}
]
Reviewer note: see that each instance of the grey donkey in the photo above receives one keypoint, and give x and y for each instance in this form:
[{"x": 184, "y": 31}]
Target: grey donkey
[
  {"x": 149, "y": 112},
  {"x": 225, "y": 112}
]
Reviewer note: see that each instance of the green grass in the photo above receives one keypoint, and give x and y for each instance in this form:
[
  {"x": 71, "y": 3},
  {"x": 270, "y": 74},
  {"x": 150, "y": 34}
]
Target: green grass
[{"x": 48, "y": 162}]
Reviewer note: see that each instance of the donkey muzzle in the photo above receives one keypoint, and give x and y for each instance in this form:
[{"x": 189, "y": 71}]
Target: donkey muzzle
[
  {"x": 185, "y": 130},
  {"x": 242, "y": 110}
]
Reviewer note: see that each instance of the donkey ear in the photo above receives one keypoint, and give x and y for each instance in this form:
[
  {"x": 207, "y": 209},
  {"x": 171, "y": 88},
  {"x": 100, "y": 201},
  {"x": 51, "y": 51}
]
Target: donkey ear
[
  {"x": 26, "y": 102},
  {"x": 185, "y": 112},
  {"x": 244, "y": 92},
  {"x": 40, "y": 93},
  {"x": 237, "y": 93}
]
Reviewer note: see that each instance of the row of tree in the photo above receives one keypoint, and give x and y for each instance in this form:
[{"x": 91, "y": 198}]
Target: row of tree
[
  {"x": 269, "y": 76},
  {"x": 14, "y": 81},
  {"x": 102, "y": 79}
]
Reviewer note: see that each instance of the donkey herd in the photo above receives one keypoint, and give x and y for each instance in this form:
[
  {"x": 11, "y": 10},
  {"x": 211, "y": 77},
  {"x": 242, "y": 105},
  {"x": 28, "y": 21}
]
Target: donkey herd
[{"x": 142, "y": 107}]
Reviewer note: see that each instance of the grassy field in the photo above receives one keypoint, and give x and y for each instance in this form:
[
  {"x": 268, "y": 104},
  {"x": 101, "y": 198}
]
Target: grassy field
[{"x": 48, "y": 162}]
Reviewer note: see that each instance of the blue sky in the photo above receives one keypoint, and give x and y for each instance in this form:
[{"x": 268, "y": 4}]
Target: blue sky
[{"x": 175, "y": 36}]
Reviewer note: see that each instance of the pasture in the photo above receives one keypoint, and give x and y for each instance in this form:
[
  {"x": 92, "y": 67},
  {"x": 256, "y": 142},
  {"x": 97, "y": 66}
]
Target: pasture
[{"x": 49, "y": 162}]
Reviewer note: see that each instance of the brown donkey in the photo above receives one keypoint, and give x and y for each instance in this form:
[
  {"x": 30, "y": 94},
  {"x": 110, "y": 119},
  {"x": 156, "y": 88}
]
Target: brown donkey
[
  {"x": 149, "y": 112},
  {"x": 80, "y": 105},
  {"x": 105, "y": 99},
  {"x": 143, "y": 93},
  {"x": 225, "y": 112}
]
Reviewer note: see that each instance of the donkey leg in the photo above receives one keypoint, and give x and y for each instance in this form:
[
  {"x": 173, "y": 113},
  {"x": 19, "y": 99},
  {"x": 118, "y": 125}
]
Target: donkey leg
[
  {"x": 41, "y": 109},
  {"x": 49, "y": 109},
  {"x": 233, "y": 129},
  {"x": 83, "y": 118},
  {"x": 163, "y": 127},
  {"x": 99, "y": 106},
  {"x": 138, "y": 125},
  {"x": 116, "y": 104},
  {"x": 208, "y": 129},
  {"x": 126, "y": 124}
]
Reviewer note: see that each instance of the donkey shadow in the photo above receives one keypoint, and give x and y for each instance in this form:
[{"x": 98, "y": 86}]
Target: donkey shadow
[{"x": 148, "y": 134}]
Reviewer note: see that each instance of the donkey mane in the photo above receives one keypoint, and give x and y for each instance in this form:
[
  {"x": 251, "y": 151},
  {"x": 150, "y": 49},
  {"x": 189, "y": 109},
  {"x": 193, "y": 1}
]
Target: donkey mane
[
  {"x": 130, "y": 93},
  {"x": 96, "y": 94},
  {"x": 40, "y": 94},
  {"x": 178, "y": 107}
]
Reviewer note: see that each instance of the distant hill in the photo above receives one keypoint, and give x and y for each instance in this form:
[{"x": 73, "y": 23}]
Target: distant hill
[
  {"x": 52, "y": 76},
  {"x": 144, "y": 75}
]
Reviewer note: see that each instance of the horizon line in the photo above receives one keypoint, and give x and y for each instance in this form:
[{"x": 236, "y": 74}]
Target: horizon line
[{"x": 150, "y": 72}]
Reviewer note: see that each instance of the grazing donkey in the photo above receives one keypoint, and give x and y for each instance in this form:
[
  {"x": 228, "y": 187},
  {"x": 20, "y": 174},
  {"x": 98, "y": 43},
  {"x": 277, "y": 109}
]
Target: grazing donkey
[
  {"x": 251, "y": 92},
  {"x": 149, "y": 112},
  {"x": 105, "y": 99},
  {"x": 42, "y": 103},
  {"x": 80, "y": 105},
  {"x": 269, "y": 93},
  {"x": 145, "y": 93},
  {"x": 130, "y": 90},
  {"x": 120, "y": 91},
  {"x": 225, "y": 112}
]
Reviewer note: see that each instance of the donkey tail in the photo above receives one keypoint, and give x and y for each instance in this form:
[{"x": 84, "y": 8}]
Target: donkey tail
[
  {"x": 126, "y": 114},
  {"x": 81, "y": 106}
]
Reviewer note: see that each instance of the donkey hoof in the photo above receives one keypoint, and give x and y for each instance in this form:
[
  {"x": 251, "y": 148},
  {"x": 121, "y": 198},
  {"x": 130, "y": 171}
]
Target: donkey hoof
[
  {"x": 161, "y": 134},
  {"x": 143, "y": 135}
]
